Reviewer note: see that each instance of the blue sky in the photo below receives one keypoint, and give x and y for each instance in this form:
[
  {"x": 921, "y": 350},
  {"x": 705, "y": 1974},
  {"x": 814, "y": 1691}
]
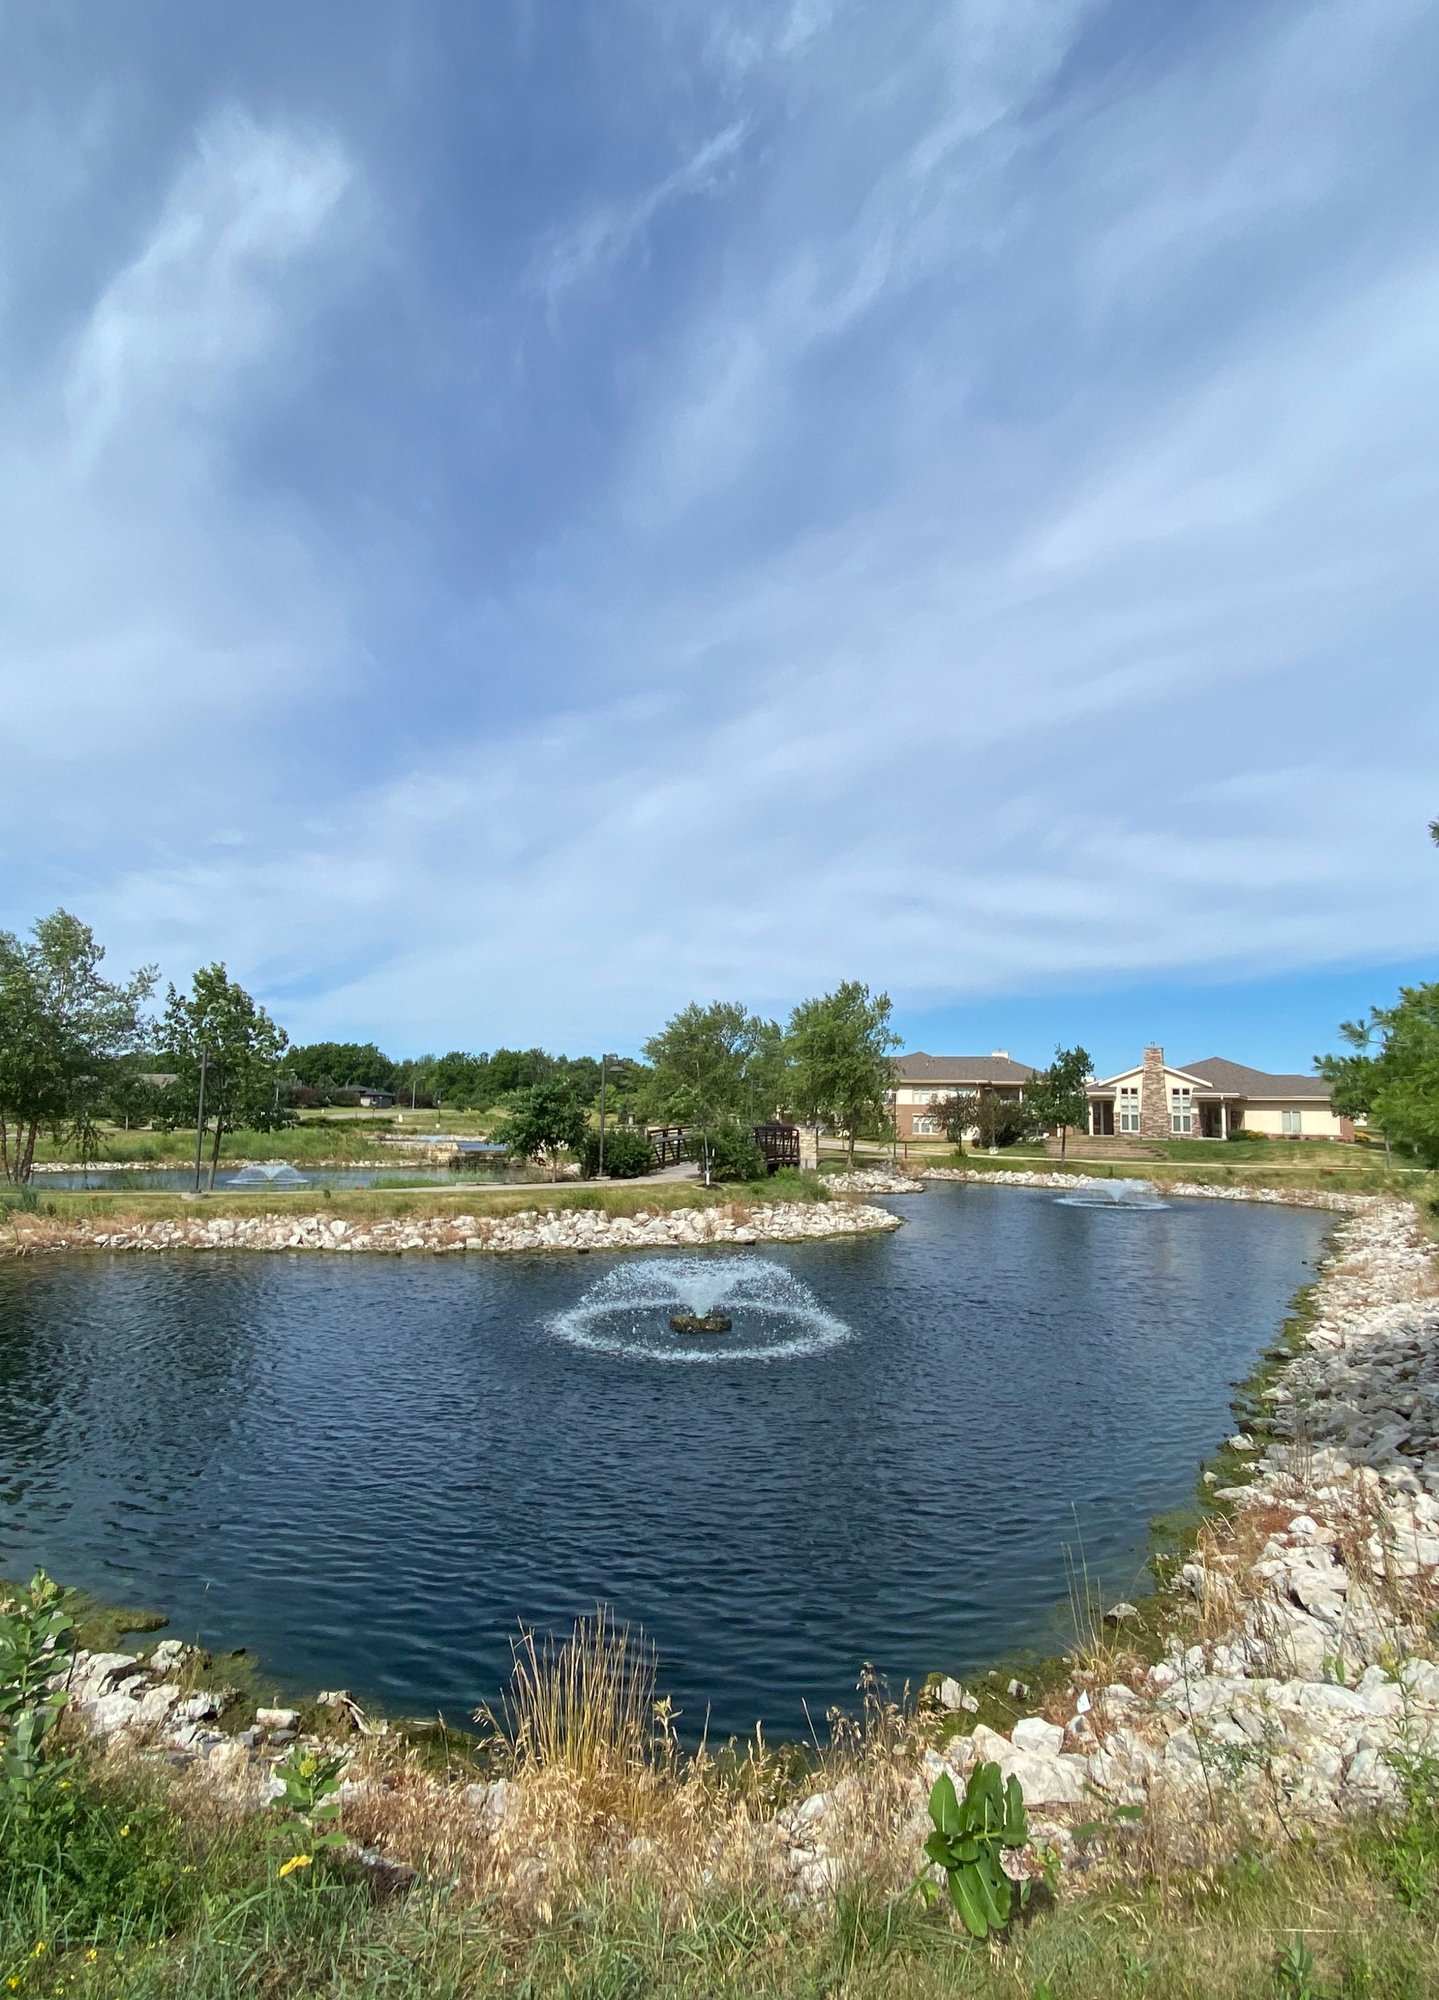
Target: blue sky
[{"x": 520, "y": 516}]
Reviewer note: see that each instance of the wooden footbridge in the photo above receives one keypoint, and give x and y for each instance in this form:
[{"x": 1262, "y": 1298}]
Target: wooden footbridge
[{"x": 778, "y": 1142}]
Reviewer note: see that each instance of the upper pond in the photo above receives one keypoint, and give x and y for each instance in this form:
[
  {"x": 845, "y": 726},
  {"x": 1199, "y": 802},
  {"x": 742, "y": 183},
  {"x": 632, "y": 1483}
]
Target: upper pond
[{"x": 371, "y": 1469}]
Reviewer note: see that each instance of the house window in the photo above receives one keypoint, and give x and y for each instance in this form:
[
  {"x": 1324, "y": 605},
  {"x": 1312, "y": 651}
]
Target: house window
[
  {"x": 1129, "y": 1107},
  {"x": 1291, "y": 1123},
  {"x": 926, "y": 1128},
  {"x": 1181, "y": 1110}
]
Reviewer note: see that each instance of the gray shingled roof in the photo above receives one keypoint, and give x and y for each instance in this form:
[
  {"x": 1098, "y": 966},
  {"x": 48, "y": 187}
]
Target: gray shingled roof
[
  {"x": 957, "y": 1070},
  {"x": 1232, "y": 1079}
]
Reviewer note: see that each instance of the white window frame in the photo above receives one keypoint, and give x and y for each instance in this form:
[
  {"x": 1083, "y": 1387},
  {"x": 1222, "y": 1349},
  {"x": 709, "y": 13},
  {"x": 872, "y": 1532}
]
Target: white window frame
[
  {"x": 926, "y": 1127},
  {"x": 1181, "y": 1110},
  {"x": 1291, "y": 1124},
  {"x": 1127, "y": 1108}
]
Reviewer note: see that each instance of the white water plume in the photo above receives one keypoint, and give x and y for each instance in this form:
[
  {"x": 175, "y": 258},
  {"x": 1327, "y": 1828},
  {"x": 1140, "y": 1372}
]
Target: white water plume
[
  {"x": 627, "y": 1312},
  {"x": 1112, "y": 1194}
]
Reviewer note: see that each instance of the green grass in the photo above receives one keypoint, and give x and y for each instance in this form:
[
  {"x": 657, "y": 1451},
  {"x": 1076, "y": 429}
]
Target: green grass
[
  {"x": 123, "y": 1890},
  {"x": 330, "y": 1140},
  {"x": 125, "y": 1209}
]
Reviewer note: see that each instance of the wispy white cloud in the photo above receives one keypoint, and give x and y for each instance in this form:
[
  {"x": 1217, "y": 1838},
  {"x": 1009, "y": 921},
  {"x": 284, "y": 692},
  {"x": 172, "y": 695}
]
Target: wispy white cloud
[
  {"x": 153, "y": 622},
  {"x": 581, "y": 252},
  {"x": 999, "y": 569},
  {"x": 201, "y": 301}
]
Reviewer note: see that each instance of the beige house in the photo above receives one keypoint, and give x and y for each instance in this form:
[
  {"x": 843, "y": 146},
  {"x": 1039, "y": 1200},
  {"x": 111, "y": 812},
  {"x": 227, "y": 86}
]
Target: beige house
[
  {"x": 923, "y": 1082},
  {"x": 1209, "y": 1100}
]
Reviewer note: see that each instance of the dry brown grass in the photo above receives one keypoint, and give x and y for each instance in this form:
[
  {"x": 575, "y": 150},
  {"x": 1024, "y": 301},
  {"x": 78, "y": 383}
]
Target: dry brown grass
[{"x": 595, "y": 1791}]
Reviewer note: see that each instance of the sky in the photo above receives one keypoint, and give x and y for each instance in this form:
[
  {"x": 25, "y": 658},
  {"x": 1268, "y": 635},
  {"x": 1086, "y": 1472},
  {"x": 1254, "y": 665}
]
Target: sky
[{"x": 516, "y": 517}]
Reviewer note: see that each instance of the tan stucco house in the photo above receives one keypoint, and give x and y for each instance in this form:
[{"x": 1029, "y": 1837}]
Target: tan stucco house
[
  {"x": 1209, "y": 1100},
  {"x": 922, "y": 1081}
]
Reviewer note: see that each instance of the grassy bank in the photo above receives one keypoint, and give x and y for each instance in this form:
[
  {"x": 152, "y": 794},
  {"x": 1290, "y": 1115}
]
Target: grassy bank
[
  {"x": 373, "y": 1204},
  {"x": 1337, "y": 1170},
  {"x": 132, "y": 1886}
]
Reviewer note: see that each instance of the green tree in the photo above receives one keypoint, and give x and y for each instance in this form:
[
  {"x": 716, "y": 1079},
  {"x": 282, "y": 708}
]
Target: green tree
[
  {"x": 733, "y": 1153},
  {"x": 243, "y": 1051},
  {"x": 1397, "y": 1087},
  {"x": 839, "y": 1049},
  {"x": 65, "y": 1032},
  {"x": 544, "y": 1122},
  {"x": 713, "y": 1062},
  {"x": 464, "y": 1082},
  {"x": 517, "y": 1069},
  {"x": 957, "y": 1115},
  {"x": 331, "y": 1066},
  {"x": 711, "y": 1065},
  {"x": 1057, "y": 1096}
]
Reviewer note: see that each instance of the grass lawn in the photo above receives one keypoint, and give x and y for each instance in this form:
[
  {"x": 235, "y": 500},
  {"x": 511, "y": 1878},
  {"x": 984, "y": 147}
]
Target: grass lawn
[{"x": 122, "y": 1210}]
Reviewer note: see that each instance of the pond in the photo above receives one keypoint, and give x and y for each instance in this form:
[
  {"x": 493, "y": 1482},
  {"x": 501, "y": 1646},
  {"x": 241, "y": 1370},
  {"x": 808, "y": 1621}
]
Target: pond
[{"x": 370, "y": 1470}]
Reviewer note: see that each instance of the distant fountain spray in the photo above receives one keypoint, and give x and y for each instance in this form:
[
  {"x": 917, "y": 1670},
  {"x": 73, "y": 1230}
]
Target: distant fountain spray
[{"x": 1112, "y": 1194}]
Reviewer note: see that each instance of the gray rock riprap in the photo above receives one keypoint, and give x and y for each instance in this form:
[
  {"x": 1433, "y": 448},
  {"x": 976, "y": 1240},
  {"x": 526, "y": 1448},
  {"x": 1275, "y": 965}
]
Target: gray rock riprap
[
  {"x": 1339, "y": 1203},
  {"x": 530, "y": 1229},
  {"x": 1311, "y": 1684},
  {"x": 874, "y": 1180}
]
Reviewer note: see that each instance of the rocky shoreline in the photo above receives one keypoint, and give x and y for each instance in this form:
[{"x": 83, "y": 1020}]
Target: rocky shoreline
[
  {"x": 1294, "y": 1677},
  {"x": 1298, "y": 1672},
  {"x": 572, "y": 1229},
  {"x": 1337, "y": 1200}
]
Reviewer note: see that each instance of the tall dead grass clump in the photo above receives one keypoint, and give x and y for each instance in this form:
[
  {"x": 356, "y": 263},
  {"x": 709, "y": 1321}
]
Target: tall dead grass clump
[{"x": 585, "y": 1705}]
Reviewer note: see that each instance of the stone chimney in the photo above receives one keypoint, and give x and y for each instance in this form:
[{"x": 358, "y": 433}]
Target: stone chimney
[{"x": 1153, "y": 1096}]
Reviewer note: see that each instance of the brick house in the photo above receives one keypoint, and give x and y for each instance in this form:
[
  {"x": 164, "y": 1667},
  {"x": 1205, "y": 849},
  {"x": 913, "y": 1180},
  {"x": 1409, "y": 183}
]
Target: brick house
[
  {"x": 1209, "y": 1100},
  {"x": 922, "y": 1081}
]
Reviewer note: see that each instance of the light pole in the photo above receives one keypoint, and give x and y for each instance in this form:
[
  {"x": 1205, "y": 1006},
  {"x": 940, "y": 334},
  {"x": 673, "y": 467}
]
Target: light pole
[
  {"x": 200, "y": 1115},
  {"x": 604, "y": 1062}
]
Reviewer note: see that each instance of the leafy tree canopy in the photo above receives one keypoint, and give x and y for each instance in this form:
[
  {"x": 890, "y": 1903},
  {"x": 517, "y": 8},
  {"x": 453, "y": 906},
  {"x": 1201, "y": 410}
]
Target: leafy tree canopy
[
  {"x": 1397, "y": 1087},
  {"x": 839, "y": 1048},
  {"x": 544, "y": 1122},
  {"x": 1057, "y": 1096},
  {"x": 65, "y": 1032},
  {"x": 331, "y": 1066},
  {"x": 243, "y": 1051},
  {"x": 712, "y": 1063}
]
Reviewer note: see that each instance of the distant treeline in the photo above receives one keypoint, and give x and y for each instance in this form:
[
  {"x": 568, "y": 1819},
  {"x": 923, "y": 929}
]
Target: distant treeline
[{"x": 331, "y": 1072}]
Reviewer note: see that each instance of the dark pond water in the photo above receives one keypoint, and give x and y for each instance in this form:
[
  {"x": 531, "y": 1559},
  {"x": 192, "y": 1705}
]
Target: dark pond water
[{"x": 370, "y": 1470}]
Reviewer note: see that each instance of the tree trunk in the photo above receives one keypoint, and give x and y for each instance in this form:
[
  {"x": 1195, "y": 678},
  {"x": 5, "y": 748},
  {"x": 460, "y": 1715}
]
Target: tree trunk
[
  {"x": 25, "y": 1159},
  {"x": 1063, "y": 1140}
]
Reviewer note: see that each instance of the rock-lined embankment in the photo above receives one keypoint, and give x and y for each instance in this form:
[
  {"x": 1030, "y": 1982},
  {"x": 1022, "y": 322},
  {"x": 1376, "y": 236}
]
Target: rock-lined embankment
[
  {"x": 1298, "y": 1671},
  {"x": 576, "y": 1229},
  {"x": 1340, "y": 1202},
  {"x": 874, "y": 1180}
]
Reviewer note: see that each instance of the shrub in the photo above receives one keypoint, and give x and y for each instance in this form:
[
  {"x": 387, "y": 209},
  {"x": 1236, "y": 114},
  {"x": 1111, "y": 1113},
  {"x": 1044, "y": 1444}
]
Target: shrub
[
  {"x": 734, "y": 1153},
  {"x": 1239, "y": 1132},
  {"x": 628, "y": 1153},
  {"x": 18, "y": 1201}
]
